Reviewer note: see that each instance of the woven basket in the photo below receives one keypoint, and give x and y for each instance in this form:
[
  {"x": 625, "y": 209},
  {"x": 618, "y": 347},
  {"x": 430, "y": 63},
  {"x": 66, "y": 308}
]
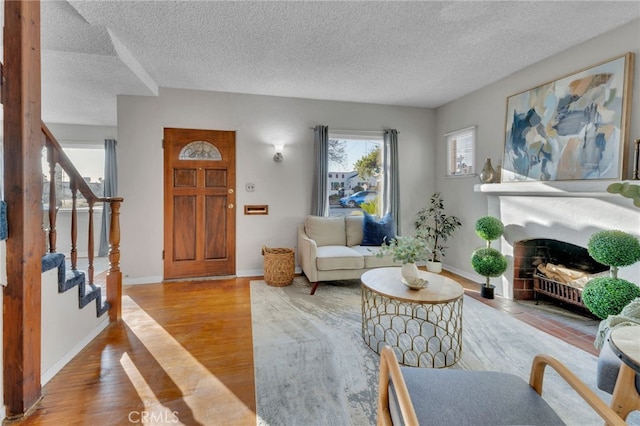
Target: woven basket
[{"x": 279, "y": 266}]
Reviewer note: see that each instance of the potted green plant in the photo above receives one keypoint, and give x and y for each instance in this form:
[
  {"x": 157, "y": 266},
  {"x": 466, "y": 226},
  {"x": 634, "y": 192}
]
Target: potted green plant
[
  {"x": 626, "y": 189},
  {"x": 435, "y": 227},
  {"x": 605, "y": 296},
  {"x": 408, "y": 251},
  {"x": 371, "y": 207},
  {"x": 488, "y": 261}
]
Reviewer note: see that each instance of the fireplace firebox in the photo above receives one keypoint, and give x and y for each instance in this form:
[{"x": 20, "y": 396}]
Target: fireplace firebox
[{"x": 528, "y": 280}]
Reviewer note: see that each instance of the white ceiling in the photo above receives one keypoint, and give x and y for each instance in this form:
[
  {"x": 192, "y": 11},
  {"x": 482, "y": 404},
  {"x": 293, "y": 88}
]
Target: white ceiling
[{"x": 422, "y": 54}]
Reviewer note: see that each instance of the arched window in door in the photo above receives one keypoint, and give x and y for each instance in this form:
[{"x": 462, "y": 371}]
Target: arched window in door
[{"x": 200, "y": 150}]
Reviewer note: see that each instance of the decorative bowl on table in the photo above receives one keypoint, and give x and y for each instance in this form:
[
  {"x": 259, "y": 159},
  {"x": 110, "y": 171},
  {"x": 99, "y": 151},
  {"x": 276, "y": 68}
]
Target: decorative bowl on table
[{"x": 415, "y": 283}]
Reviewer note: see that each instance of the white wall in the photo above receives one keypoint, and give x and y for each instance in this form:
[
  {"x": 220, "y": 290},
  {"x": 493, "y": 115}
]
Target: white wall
[
  {"x": 65, "y": 328},
  {"x": 486, "y": 109},
  {"x": 259, "y": 122},
  {"x": 262, "y": 120},
  {"x": 82, "y": 135}
]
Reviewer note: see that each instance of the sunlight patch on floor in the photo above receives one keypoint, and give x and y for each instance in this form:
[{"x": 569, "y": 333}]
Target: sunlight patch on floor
[
  {"x": 201, "y": 390},
  {"x": 153, "y": 408}
]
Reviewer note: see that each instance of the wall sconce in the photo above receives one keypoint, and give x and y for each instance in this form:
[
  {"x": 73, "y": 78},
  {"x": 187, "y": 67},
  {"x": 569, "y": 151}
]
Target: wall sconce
[{"x": 278, "y": 157}]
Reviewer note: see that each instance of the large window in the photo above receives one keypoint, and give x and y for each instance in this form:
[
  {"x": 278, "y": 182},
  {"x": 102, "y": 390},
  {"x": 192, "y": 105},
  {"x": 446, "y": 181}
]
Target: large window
[
  {"x": 460, "y": 152},
  {"x": 355, "y": 173},
  {"x": 89, "y": 161}
]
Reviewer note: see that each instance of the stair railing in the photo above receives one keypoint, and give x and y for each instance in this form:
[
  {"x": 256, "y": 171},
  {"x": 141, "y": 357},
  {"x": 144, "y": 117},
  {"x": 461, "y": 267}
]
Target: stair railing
[{"x": 56, "y": 155}]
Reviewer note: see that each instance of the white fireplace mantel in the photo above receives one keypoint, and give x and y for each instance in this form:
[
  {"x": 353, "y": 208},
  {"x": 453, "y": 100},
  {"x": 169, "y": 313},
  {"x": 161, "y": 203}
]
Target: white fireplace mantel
[
  {"x": 582, "y": 188},
  {"x": 569, "y": 211}
]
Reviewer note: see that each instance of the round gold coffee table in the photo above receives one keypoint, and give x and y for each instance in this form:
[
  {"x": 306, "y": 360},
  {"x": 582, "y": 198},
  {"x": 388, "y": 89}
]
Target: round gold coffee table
[{"x": 424, "y": 327}]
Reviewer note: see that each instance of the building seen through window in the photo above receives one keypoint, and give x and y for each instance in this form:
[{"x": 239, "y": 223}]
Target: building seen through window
[
  {"x": 89, "y": 162},
  {"x": 354, "y": 175}
]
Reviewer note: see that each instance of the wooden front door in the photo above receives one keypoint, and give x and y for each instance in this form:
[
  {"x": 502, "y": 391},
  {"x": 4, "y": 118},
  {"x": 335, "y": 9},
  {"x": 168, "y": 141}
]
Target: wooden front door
[{"x": 199, "y": 203}]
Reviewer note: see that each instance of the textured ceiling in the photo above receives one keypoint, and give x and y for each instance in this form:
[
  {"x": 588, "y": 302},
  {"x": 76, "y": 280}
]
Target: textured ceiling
[{"x": 421, "y": 53}]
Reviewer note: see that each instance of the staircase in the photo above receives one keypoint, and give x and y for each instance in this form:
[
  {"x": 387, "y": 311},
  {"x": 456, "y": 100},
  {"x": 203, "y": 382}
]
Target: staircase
[
  {"x": 66, "y": 326},
  {"x": 88, "y": 291},
  {"x": 68, "y": 279},
  {"x": 72, "y": 314}
]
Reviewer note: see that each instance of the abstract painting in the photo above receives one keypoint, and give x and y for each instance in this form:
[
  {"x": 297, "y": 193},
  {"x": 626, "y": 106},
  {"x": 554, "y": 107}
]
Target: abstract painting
[{"x": 573, "y": 128}]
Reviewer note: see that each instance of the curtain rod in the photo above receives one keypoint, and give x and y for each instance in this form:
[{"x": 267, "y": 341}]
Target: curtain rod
[{"x": 352, "y": 131}]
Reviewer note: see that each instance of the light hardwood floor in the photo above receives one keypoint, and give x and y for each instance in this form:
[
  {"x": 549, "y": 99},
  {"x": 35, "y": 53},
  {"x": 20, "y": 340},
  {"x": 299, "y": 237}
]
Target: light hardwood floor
[{"x": 184, "y": 350}]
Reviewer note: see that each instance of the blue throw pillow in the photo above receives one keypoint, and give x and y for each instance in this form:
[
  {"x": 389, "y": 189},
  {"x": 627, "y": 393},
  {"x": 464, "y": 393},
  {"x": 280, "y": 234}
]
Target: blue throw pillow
[{"x": 375, "y": 232}]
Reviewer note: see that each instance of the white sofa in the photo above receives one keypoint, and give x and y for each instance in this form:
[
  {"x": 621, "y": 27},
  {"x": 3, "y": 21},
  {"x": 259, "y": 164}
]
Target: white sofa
[{"x": 329, "y": 249}]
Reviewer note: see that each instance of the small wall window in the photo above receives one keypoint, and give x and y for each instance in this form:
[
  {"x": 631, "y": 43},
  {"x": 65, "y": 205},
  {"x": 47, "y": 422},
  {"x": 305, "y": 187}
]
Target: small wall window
[{"x": 461, "y": 151}]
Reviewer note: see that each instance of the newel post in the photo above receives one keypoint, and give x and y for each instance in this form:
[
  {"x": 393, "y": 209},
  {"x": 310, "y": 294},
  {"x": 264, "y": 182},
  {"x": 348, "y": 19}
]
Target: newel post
[
  {"x": 23, "y": 193},
  {"x": 114, "y": 276}
]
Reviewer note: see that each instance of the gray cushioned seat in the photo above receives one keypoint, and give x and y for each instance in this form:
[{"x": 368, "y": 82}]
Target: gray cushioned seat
[
  {"x": 338, "y": 257},
  {"x": 371, "y": 260},
  {"x": 608, "y": 368},
  {"x": 432, "y": 391}
]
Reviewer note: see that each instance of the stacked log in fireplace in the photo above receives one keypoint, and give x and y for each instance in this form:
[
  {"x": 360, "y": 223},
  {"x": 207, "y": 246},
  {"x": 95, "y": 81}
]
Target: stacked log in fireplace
[{"x": 556, "y": 269}]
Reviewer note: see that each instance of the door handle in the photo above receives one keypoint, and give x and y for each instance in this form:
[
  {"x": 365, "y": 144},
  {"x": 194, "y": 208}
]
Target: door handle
[{"x": 230, "y": 206}]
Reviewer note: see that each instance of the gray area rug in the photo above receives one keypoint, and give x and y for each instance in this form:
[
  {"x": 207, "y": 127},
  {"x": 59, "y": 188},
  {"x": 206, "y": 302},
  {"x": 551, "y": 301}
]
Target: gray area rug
[{"x": 313, "y": 368}]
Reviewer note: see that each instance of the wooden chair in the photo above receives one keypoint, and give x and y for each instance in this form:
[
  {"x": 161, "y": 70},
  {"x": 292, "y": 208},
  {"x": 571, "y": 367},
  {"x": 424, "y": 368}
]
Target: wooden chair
[
  {"x": 622, "y": 383},
  {"x": 414, "y": 396}
]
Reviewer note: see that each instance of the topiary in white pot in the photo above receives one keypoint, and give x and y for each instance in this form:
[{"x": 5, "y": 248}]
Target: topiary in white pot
[
  {"x": 606, "y": 296},
  {"x": 488, "y": 261}
]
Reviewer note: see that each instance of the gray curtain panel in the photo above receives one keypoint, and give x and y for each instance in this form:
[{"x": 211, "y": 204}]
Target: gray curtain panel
[
  {"x": 319, "y": 203},
  {"x": 110, "y": 190},
  {"x": 391, "y": 200}
]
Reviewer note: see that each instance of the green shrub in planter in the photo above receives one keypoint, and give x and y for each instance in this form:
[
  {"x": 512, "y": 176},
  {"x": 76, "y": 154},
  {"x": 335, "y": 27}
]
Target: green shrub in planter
[
  {"x": 489, "y": 228},
  {"x": 614, "y": 248},
  {"x": 488, "y": 262},
  {"x": 608, "y": 296}
]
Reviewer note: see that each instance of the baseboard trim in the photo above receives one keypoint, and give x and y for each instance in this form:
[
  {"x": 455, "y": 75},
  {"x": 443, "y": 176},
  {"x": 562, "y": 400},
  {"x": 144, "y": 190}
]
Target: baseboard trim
[
  {"x": 55, "y": 368},
  {"x": 464, "y": 274},
  {"x": 158, "y": 279},
  {"x": 259, "y": 272},
  {"x": 142, "y": 280}
]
